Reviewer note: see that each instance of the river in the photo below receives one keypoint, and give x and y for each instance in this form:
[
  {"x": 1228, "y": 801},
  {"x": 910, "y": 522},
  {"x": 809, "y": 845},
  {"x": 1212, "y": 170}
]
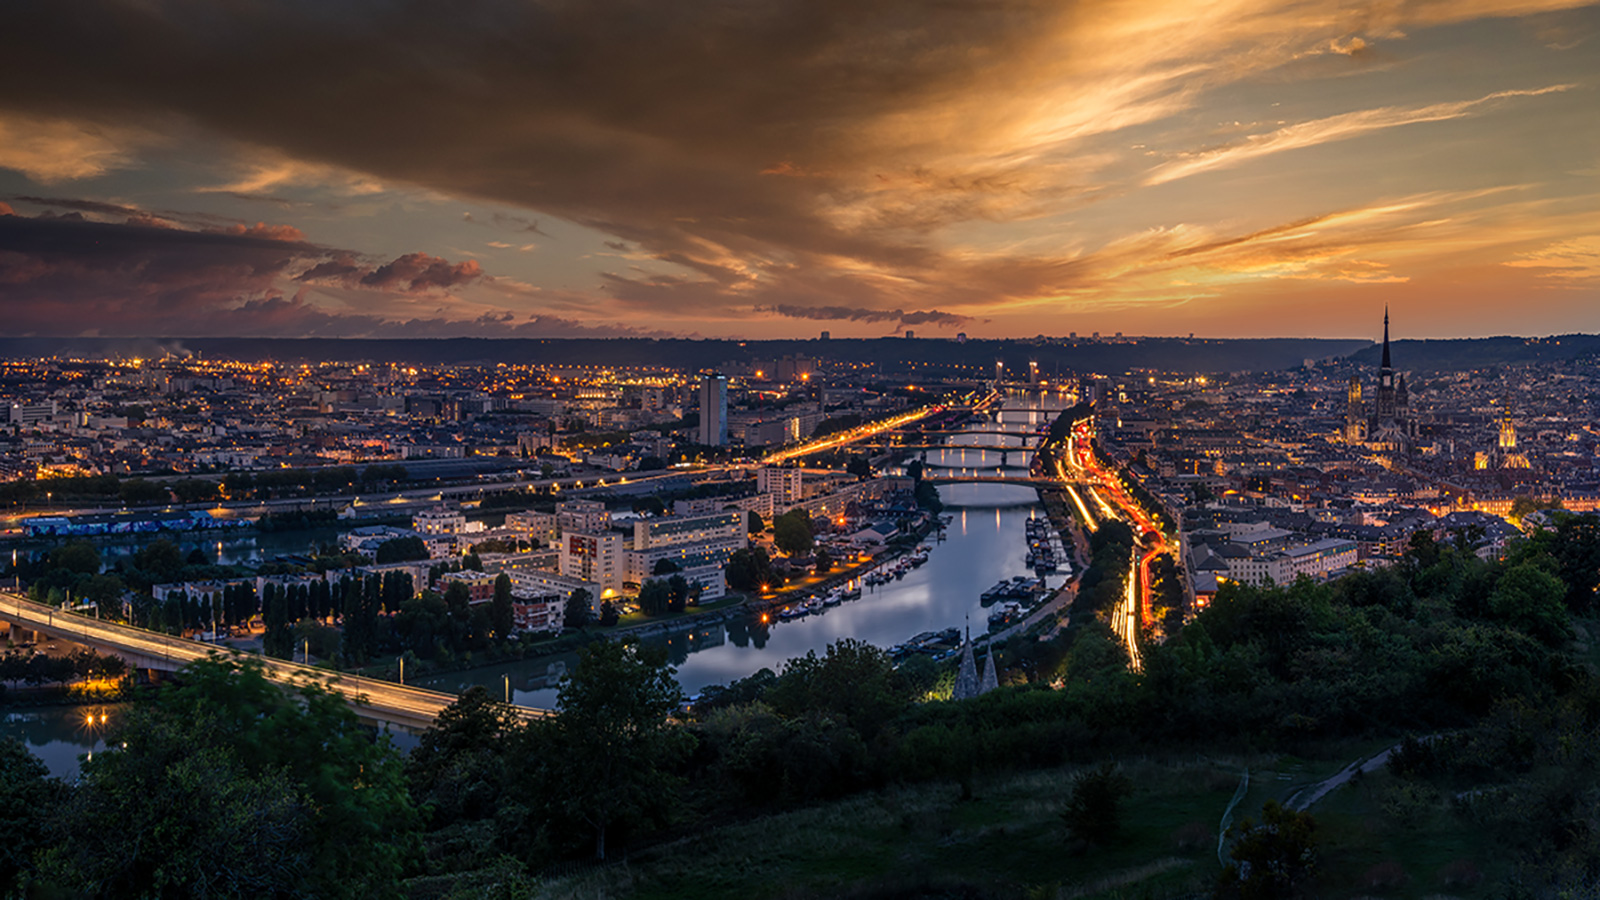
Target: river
[
  {"x": 58, "y": 735},
  {"x": 984, "y": 543}
]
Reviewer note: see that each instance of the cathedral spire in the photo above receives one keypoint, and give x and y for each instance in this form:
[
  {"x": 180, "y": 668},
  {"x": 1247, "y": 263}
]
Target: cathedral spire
[{"x": 1386, "y": 363}]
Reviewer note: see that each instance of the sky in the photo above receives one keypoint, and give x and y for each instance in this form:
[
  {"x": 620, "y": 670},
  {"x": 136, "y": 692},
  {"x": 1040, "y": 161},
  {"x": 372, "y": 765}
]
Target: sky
[{"x": 778, "y": 168}]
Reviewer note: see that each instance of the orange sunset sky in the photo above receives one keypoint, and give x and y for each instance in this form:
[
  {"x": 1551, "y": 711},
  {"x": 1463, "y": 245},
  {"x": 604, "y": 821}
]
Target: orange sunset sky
[{"x": 775, "y": 169}]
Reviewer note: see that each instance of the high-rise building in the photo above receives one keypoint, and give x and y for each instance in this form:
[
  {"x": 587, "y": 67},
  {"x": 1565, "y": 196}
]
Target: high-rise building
[
  {"x": 597, "y": 557},
  {"x": 713, "y": 410}
]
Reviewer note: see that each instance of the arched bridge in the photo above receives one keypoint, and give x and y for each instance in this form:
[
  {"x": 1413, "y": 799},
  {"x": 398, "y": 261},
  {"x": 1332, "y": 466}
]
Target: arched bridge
[{"x": 379, "y": 701}]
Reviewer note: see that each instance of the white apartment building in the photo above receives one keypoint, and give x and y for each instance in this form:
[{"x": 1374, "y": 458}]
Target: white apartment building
[
  {"x": 587, "y": 516},
  {"x": 443, "y": 520},
  {"x": 536, "y": 526},
  {"x": 699, "y": 545},
  {"x": 597, "y": 557},
  {"x": 1318, "y": 559},
  {"x": 531, "y": 584},
  {"x": 787, "y": 486}
]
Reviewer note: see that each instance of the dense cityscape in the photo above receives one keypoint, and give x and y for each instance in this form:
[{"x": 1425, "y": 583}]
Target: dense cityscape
[
  {"x": 402, "y": 533},
  {"x": 796, "y": 450}
]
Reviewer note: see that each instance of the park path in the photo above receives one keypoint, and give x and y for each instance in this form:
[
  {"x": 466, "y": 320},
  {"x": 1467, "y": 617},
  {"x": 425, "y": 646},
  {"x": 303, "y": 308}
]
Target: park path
[{"x": 1304, "y": 798}]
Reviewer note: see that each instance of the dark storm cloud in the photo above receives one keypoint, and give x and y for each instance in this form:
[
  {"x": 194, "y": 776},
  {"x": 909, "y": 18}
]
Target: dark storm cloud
[
  {"x": 67, "y": 275},
  {"x": 93, "y": 206},
  {"x": 419, "y": 271},
  {"x": 845, "y": 313},
  {"x": 697, "y": 131}
]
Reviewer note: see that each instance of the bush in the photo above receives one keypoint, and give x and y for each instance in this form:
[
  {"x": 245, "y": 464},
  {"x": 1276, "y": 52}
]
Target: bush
[{"x": 1093, "y": 814}]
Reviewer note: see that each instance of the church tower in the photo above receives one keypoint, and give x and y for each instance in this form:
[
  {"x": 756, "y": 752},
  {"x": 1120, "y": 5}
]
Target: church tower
[
  {"x": 1355, "y": 417},
  {"x": 1386, "y": 386},
  {"x": 1391, "y": 420}
]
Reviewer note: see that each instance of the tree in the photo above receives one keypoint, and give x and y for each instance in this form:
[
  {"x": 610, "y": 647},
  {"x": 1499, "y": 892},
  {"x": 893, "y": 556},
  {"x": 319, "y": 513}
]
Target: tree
[
  {"x": 616, "y": 746},
  {"x": 79, "y": 557},
  {"x": 754, "y": 523},
  {"x": 105, "y": 592},
  {"x": 278, "y": 639},
  {"x": 458, "y": 599},
  {"x": 791, "y": 532},
  {"x": 402, "y": 549},
  {"x": 237, "y": 787},
  {"x": 854, "y": 681},
  {"x": 1531, "y": 599},
  {"x": 824, "y": 561},
  {"x": 749, "y": 569},
  {"x": 578, "y": 612},
  {"x": 1273, "y": 859},
  {"x": 677, "y": 593},
  {"x": 502, "y": 617},
  {"x": 654, "y": 596},
  {"x": 322, "y": 640},
  {"x": 608, "y": 614},
  {"x": 29, "y": 798},
  {"x": 160, "y": 560},
  {"x": 466, "y": 775},
  {"x": 1093, "y": 814},
  {"x": 665, "y": 567},
  {"x": 859, "y": 466}
]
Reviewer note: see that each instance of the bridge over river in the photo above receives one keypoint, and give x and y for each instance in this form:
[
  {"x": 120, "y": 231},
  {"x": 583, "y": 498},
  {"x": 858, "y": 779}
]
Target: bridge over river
[
  {"x": 373, "y": 700},
  {"x": 1026, "y": 480}
]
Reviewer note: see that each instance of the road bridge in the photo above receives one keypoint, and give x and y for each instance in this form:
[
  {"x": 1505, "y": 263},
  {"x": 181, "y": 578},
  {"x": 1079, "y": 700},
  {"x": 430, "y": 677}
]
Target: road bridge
[
  {"x": 1025, "y": 480},
  {"x": 952, "y": 432},
  {"x": 371, "y": 699}
]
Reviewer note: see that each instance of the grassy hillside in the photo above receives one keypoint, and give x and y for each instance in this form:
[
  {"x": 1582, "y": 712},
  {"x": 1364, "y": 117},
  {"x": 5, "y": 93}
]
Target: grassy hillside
[{"x": 1378, "y": 837}]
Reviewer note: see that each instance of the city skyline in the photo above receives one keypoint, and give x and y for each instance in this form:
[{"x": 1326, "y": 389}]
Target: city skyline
[{"x": 1240, "y": 168}]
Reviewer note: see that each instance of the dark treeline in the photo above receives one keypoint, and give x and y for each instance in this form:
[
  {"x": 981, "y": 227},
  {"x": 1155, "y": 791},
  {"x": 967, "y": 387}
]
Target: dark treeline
[
  {"x": 264, "y": 485},
  {"x": 1480, "y": 652}
]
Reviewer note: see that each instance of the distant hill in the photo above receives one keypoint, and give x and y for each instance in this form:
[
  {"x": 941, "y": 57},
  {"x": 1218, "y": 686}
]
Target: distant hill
[
  {"x": 1465, "y": 354},
  {"x": 892, "y": 354}
]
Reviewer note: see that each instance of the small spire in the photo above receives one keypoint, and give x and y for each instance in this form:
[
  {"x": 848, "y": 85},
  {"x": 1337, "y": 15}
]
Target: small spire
[{"x": 1386, "y": 363}]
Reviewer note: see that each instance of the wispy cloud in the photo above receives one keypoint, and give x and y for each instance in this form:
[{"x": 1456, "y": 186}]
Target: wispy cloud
[
  {"x": 1333, "y": 128},
  {"x": 1573, "y": 261},
  {"x": 52, "y": 150}
]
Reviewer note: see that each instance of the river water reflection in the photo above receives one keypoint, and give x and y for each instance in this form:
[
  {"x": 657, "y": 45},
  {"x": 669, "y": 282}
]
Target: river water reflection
[
  {"x": 59, "y": 735},
  {"x": 984, "y": 543}
]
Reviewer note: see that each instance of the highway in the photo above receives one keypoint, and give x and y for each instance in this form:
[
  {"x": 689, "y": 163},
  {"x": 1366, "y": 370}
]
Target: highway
[
  {"x": 1134, "y": 611},
  {"x": 381, "y": 701}
]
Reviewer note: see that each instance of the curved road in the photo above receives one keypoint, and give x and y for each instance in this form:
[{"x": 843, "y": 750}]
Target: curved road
[{"x": 381, "y": 701}]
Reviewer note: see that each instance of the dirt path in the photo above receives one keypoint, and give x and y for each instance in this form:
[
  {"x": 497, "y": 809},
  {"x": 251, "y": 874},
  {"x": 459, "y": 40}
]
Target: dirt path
[{"x": 1303, "y": 799}]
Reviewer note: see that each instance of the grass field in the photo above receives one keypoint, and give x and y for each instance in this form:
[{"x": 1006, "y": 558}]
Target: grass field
[{"x": 1379, "y": 838}]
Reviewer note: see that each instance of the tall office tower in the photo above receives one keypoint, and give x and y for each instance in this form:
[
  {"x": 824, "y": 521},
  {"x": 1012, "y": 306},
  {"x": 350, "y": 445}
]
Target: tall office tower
[{"x": 713, "y": 410}]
